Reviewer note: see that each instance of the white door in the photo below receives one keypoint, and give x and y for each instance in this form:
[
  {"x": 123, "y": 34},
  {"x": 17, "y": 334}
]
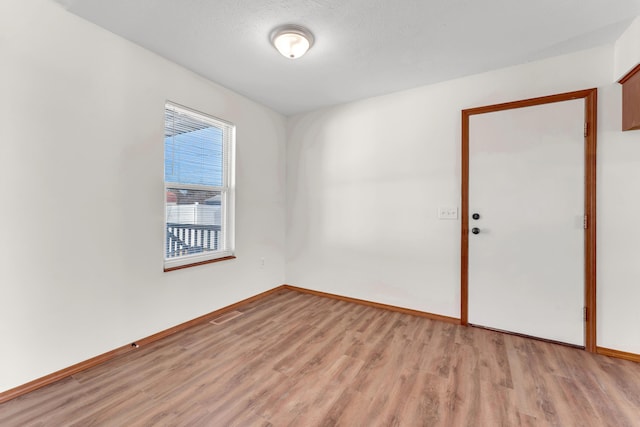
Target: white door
[{"x": 526, "y": 183}]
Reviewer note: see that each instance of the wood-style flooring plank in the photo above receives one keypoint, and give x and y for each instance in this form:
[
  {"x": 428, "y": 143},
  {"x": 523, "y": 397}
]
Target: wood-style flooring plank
[{"x": 294, "y": 359}]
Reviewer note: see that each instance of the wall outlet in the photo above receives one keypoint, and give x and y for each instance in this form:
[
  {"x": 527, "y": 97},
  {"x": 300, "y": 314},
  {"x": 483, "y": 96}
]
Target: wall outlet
[{"x": 448, "y": 213}]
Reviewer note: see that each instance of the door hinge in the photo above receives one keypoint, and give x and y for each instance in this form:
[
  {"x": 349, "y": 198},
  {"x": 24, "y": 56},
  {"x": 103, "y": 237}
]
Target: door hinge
[
  {"x": 585, "y": 314},
  {"x": 585, "y": 223},
  {"x": 586, "y": 129}
]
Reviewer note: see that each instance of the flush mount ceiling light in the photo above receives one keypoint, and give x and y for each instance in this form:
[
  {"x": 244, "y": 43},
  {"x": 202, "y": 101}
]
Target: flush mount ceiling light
[{"x": 292, "y": 41}]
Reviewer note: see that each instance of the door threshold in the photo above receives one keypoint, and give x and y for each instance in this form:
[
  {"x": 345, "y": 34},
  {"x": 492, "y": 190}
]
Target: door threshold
[{"x": 502, "y": 331}]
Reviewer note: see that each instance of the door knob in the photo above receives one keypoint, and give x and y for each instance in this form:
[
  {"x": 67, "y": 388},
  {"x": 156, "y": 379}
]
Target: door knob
[
  {"x": 475, "y": 216},
  {"x": 475, "y": 230}
]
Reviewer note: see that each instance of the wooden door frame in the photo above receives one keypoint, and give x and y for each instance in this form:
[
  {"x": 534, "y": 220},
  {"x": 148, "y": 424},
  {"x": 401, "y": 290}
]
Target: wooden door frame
[{"x": 590, "y": 97}]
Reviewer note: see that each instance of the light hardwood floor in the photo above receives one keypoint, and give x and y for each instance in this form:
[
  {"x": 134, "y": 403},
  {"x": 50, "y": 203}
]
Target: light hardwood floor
[{"x": 294, "y": 359}]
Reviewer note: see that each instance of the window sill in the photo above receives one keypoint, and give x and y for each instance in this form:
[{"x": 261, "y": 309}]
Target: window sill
[{"x": 209, "y": 261}]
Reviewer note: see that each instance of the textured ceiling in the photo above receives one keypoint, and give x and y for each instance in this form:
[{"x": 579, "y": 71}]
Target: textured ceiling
[{"x": 363, "y": 47}]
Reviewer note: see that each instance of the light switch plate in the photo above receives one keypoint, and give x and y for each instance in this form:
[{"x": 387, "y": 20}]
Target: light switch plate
[{"x": 448, "y": 213}]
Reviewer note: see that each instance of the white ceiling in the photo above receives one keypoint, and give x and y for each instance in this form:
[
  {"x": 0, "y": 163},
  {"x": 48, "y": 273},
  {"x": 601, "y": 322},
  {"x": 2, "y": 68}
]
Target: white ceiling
[{"x": 363, "y": 47}]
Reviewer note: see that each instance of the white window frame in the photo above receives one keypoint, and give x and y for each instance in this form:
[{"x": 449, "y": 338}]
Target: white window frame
[{"x": 227, "y": 192}]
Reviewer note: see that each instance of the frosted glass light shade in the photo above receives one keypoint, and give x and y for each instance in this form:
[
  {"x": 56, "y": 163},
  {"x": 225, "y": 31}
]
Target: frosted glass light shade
[{"x": 292, "y": 41}]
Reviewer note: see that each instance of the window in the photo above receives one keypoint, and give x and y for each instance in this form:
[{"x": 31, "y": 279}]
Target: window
[{"x": 199, "y": 188}]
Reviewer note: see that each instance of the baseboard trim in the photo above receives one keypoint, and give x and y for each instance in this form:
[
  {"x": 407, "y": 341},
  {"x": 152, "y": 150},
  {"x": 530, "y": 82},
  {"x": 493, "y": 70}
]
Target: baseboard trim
[
  {"x": 136, "y": 345},
  {"x": 418, "y": 313},
  {"x": 15, "y": 392},
  {"x": 618, "y": 354},
  {"x": 5, "y": 396}
]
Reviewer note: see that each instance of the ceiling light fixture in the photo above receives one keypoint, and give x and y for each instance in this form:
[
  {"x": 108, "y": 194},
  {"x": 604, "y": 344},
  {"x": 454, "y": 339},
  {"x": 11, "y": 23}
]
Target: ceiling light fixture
[{"x": 292, "y": 41}]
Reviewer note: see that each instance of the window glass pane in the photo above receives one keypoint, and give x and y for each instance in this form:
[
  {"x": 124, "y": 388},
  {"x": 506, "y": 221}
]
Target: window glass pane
[
  {"x": 193, "y": 150},
  {"x": 194, "y": 221},
  {"x": 199, "y": 183}
]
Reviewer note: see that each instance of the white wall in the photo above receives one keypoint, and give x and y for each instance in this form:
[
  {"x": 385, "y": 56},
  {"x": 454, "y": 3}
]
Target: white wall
[
  {"x": 81, "y": 123},
  {"x": 627, "y": 50},
  {"x": 365, "y": 180},
  {"x": 619, "y": 210}
]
